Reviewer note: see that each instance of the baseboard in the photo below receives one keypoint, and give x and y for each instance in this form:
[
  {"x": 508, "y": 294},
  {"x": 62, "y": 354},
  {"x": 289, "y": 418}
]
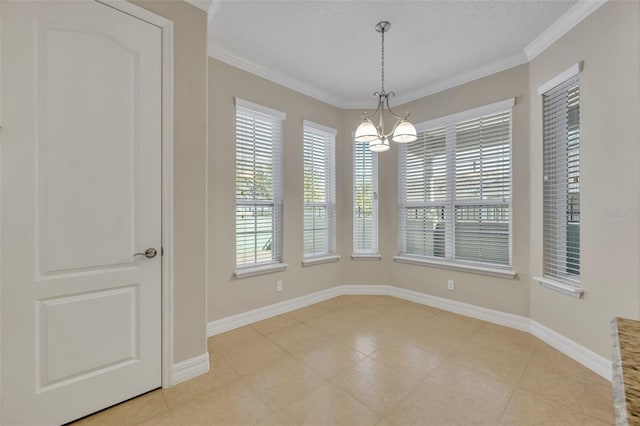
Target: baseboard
[
  {"x": 584, "y": 356},
  {"x": 485, "y": 314},
  {"x": 365, "y": 290},
  {"x": 190, "y": 368},
  {"x": 255, "y": 315},
  {"x": 593, "y": 361}
]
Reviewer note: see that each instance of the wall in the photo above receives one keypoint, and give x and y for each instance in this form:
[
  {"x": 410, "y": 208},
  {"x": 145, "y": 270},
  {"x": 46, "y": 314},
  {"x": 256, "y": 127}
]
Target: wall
[
  {"x": 226, "y": 294},
  {"x": 607, "y": 42},
  {"x": 507, "y": 295},
  {"x": 190, "y": 146}
]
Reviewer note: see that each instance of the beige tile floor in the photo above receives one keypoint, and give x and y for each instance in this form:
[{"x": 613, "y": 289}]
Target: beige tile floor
[{"x": 376, "y": 360}]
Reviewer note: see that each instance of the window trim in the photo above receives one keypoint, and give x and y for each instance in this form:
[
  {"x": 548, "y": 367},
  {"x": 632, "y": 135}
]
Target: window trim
[
  {"x": 277, "y": 201},
  {"x": 449, "y": 123},
  {"x": 319, "y": 260},
  {"x": 571, "y": 286},
  {"x": 565, "y": 75},
  {"x": 330, "y": 191},
  {"x": 373, "y": 254},
  {"x": 458, "y": 266},
  {"x": 259, "y": 269}
]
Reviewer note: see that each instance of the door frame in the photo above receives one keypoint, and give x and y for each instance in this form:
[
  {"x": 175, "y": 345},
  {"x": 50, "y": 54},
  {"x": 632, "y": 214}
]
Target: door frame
[{"x": 167, "y": 257}]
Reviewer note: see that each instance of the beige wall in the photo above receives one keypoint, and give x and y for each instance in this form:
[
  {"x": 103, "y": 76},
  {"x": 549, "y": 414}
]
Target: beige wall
[
  {"x": 607, "y": 42},
  {"x": 227, "y": 295},
  {"x": 507, "y": 295},
  {"x": 190, "y": 138}
]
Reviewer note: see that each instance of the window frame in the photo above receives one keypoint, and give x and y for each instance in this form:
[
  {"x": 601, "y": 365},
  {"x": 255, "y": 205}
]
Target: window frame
[
  {"x": 328, "y": 137},
  {"x": 374, "y": 251},
  {"x": 449, "y": 261},
  {"x": 562, "y": 84},
  {"x": 276, "y": 202}
]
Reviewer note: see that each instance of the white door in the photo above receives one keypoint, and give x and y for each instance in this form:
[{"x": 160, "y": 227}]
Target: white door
[{"x": 81, "y": 193}]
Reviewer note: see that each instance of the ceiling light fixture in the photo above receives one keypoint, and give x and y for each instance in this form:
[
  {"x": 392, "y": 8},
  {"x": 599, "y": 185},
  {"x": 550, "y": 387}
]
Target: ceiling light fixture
[{"x": 403, "y": 131}]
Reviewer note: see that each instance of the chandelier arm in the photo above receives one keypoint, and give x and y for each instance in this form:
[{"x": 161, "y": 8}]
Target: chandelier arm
[
  {"x": 399, "y": 117},
  {"x": 378, "y": 109},
  {"x": 389, "y": 135}
]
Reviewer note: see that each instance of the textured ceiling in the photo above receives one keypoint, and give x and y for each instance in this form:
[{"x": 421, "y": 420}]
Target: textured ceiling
[{"x": 330, "y": 49}]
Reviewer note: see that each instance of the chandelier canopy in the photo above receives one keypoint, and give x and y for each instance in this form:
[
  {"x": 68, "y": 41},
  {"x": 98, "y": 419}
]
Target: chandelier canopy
[{"x": 403, "y": 131}]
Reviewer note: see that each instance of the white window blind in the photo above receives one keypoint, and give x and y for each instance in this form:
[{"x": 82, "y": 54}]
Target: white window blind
[
  {"x": 455, "y": 191},
  {"x": 483, "y": 189},
  {"x": 561, "y": 182},
  {"x": 424, "y": 191},
  {"x": 258, "y": 185},
  {"x": 365, "y": 199},
  {"x": 319, "y": 190}
]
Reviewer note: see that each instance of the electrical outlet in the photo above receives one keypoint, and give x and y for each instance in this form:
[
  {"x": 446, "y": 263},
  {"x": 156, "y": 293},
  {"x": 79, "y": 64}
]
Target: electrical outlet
[
  {"x": 279, "y": 286},
  {"x": 450, "y": 285}
]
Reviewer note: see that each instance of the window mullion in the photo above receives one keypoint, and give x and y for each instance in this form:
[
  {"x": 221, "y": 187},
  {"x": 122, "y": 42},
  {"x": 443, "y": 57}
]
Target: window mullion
[{"x": 451, "y": 189}]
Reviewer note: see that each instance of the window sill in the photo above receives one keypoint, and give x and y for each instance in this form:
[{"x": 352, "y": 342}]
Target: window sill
[
  {"x": 567, "y": 289},
  {"x": 320, "y": 260},
  {"x": 366, "y": 257},
  {"x": 482, "y": 270},
  {"x": 259, "y": 270}
]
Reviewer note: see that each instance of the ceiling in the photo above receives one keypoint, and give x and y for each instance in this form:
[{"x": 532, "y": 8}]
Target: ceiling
[{"x": 331, "y": 51}]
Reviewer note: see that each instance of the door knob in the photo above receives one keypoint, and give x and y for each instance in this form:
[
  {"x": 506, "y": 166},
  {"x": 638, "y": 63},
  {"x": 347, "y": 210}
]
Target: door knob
[{"x": 149, "y": 253}]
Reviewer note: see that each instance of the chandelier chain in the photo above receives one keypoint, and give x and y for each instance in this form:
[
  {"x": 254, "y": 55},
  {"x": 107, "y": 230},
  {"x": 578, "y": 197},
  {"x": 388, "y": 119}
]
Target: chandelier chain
[
  {"x": 402, "y": 132},
  {"x": 382, "y": 73}
]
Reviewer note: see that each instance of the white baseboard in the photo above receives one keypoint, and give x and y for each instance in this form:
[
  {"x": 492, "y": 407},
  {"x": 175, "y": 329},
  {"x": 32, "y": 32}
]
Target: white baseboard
[
  {"x": 485, "y": 314},
  {"x": 190, "y": 368},
  {"x": 593, "y": 361},
  {"x": 584, "y": 356},
  {"x": 365, "y": 290},
  {"x": 255, "y": 315}
]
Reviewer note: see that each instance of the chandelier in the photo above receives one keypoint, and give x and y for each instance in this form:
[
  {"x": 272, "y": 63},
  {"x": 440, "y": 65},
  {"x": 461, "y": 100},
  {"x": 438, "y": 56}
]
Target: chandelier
[{"x": 403, "y": 131}]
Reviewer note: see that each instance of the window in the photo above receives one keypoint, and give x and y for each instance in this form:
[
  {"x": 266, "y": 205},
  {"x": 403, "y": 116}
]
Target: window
[
  {"x": 258, "y": 185},
  {"x": 319, "y": 190},
  {"x": 365, "y": 200},
  {"x": 455, "y": 188},
  {"x": 561, "y": 182}
]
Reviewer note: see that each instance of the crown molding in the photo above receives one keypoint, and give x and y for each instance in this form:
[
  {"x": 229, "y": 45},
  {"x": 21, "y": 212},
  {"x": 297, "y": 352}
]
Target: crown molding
[
  {"x": 200, "y": 4},
  {"x": 442, "y": 85},
  {"x": 557, "y": 29},
  {"x": 273, "y": 76},
  {"x": 561, "y": 26}
]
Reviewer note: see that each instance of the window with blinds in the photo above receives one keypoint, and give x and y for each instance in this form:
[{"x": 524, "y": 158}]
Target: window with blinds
[
  {"x": 319, "y": 190},
  {"x": 258, "y": 185},
  {"x": 561, "y": 182},
  {"x": 365, "y": 200},
  {"x": 455, "y": 191}
]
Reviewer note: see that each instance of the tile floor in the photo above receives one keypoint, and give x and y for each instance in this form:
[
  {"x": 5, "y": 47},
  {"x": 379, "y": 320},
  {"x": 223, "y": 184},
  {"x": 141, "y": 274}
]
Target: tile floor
[{"x": 376, "y": 360}]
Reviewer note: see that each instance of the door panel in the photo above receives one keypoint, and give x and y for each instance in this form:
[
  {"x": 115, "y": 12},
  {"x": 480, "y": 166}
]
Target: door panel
[
  {"x": 81, "y": 193},
  {"x": 70, "y": 350},
  {"x": 102, "y": 170}
]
